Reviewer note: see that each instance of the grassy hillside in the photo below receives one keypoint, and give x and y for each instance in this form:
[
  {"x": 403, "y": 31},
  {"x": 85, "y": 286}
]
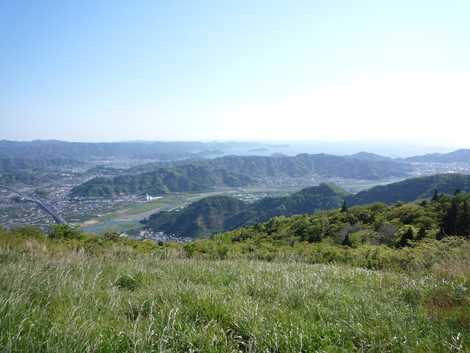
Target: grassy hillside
[
  {"x": 376, "y": 278},
  {"x": 74, "y": 293},
  {"x": 215, "y": 214},
  {"x": 367, "y": 236}
]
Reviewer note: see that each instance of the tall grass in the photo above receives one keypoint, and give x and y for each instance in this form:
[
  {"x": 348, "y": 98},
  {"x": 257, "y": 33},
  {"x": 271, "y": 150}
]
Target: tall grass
[{"x": 69, "y": 301}]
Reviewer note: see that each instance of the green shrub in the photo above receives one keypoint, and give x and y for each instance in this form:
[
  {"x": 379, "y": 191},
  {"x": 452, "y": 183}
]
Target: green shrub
[
  {"x": 129, "y": 282},
  {"x": 63, "y": 231}
]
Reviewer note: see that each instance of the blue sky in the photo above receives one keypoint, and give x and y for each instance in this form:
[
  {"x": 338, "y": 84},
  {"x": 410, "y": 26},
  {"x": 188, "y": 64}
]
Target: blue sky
[{"x": 248, "y": 70}]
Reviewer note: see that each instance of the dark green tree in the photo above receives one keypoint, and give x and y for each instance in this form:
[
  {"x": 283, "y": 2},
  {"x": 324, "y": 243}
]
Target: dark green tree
[
  {"x": 449, "y": 221},
  {"x": 435, "y": 196},
  {"x": 421, "y": 234},
  {"x": 463, "y": 220},
  {"x": 344, "y": 207},
  {"x": 406, "y": 237},
  {"x": 110, "y": 235},
  {"x": 302, "y": 230},
  {"x": 440, "y": 235},
  {"x": 347, "y": 241}
]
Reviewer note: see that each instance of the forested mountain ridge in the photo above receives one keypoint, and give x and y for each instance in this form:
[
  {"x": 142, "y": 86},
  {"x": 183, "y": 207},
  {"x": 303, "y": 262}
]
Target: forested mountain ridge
[
  {"x": 306, "y": 164},
  {"x": 46, "y": 149},
  {"x": 458, "y": 156},
  {"x": 367, "y": 156},
  {"x": 317, "y": 198},
  {"x": 15, "y": 164},
  {"x": 88, "y": 151},
  {"x": 396, "y": 226},
  {"x": 31, "y": 171},
  {"x": 198, "y": 218},
  {"x": 188, "y": 178},
  {"x": 412, "y": 189},
  {"x": 201, "y": 217},
  {"x": 308, "y": 200},
  {"x": 200, "y": 175}
]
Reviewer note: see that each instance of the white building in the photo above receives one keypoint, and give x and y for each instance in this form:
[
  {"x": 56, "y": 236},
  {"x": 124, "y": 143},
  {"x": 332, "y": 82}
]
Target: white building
[{"x": 151, "y": 198}]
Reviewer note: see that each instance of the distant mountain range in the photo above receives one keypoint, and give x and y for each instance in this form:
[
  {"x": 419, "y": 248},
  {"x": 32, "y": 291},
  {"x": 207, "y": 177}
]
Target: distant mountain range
[
  {"x": 367, "y": 156},
  {"x": 228, "y": 213},
  {"x": 15, "y": 164},
  {"x": 203, "y": 175},
  {"x": 30, "y": 171},
  {"x": 84, "y": 151},
  {"x": 459, "y": 156},
  {"x": 306, "y": 164},
  {"x": 171, "y": 150}
]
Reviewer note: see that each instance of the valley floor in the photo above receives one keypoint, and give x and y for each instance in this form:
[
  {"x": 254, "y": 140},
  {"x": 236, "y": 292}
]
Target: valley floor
[{"x": 122, "y": 301}]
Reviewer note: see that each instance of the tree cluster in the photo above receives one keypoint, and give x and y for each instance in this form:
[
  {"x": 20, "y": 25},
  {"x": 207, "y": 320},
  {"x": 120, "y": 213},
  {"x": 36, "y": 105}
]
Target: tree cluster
[{"x": 456, "y": 219}]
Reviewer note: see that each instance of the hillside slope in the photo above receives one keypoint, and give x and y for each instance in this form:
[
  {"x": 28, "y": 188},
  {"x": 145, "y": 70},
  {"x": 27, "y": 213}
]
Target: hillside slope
[
  {"x": 314, "y": 199},
  {"x": 412, "y": 189},
  {"x": 307, "y": 164},
  {"x": 201, "y": 217},
  {"x": 201, "y": 175},
  {"x": 393, "y": 226},
  {"x": 117, "y": 295},
  {"x": 187, "y": 178},
  {"x": 309, "y": 200},
  {"x": 458, "y": 156},
  {"x": 219, "y": 213}
]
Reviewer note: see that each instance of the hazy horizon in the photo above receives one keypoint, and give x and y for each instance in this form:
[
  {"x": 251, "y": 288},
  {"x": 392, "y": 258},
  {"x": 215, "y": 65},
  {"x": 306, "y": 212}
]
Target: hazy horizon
[
  {"x": 259, "y": 71},
  {"x": 294, "y": 147}
]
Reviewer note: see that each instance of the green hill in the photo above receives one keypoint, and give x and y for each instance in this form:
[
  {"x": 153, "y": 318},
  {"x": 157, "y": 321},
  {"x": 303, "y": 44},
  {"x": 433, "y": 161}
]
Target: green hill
[
  {"x": 307, "y": 164},
  {"x": 203, "y": 175},
  {"x": 201, "y": 217},
  {"x": 30, "y": 171},
  {"x": 311, "y": 200},
  {"x": 367, "y": 156},
  {"x": 458, "y": 156},
  {"x": 215, "y": 214},
  {"x": 187, "y": 178},
  {"x": 412, "y": 189},
  {"x": 395, "y": 226}
]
